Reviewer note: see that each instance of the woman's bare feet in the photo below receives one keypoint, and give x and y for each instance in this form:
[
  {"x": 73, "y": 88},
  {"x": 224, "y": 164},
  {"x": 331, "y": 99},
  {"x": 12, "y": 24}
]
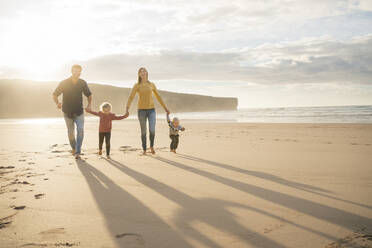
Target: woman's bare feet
[
  {"x": 152, "y": 150},
  {"x": 100, "y": 152}
]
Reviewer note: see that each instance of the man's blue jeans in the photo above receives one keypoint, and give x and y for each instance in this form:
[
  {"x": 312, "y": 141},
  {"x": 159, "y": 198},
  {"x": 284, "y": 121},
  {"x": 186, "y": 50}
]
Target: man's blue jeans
[
  {"x": 143, "y": 115},
  {"x": 70, "y": 123}
]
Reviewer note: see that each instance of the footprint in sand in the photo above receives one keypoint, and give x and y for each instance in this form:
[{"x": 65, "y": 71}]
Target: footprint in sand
[
  {"x": 24, "y": 182},
  {"x": 53, "y": 231},
  {"x": 7, "y": 167},
  {"x": 5, "y": 222},
  {"x": 60, "y": 244},
  {"x": 19, "y": 207},
  {"x": 128, "y": 149},
  {"x": 273, "y": 228},
  {"x": 38, "y": 196},
  {"x": 131, "y": 239},
  {"x": 355, "y": 240},
  {"x": 67, "y": 244}
]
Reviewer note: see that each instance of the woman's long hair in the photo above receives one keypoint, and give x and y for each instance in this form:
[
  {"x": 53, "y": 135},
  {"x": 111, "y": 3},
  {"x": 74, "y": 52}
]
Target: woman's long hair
[{"x": 139, "y": 80}]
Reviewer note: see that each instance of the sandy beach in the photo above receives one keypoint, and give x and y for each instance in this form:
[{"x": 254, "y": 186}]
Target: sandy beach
[{"x": 230, "y": 185}]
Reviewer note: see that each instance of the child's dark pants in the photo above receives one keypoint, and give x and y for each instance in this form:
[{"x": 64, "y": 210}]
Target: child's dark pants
[
  {"x": 174, "y": 143},
  {"x": 107, "y": 137}
]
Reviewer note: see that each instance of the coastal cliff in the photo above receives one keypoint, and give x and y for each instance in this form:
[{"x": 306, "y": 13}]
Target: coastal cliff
[{"x": 32, "y": 99}]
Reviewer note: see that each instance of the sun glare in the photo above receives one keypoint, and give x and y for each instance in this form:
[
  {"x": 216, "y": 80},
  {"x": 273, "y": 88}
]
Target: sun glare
[{"x": 38, "y": 46}]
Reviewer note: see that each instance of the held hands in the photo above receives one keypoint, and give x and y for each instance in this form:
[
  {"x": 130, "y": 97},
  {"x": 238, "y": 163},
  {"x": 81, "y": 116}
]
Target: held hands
[
  {"x": 59, "y": 105},
  {"x": 88, "y": 108},
  {"x": 126, "y": 115}
]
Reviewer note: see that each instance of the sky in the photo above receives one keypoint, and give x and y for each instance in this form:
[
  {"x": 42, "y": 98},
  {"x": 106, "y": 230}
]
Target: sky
[{"x": 266, "y": 53}]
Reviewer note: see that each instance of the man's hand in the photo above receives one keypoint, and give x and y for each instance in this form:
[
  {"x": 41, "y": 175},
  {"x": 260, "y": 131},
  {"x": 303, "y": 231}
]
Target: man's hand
[
  {"x": 59, "y": 105},
  {"x": 88, "y": 108}
]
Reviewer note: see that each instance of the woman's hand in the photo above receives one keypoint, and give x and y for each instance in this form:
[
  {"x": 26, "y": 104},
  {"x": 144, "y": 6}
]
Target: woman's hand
[{"x": 167, "y": 111}]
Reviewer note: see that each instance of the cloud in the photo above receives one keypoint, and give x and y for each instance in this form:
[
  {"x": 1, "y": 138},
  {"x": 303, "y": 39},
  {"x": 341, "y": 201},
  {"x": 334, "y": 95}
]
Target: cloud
[
  {"x": 203, "y": 40},
  {"x": 321, "y": 60}
]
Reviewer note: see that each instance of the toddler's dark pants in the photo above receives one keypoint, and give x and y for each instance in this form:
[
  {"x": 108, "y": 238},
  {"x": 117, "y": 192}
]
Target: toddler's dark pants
[
  {"x": 105, "y": 136},
  {"x": 174, "y": 143}
]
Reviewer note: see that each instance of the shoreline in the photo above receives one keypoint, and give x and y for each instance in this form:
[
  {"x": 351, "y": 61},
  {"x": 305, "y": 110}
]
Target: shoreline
[
  {"x": 308, "y": 115},
  {"x": 88, "y": 118}
]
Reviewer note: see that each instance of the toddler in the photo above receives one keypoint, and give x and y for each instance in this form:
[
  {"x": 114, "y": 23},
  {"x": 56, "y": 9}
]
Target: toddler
[{"x": 105, "y": 125}]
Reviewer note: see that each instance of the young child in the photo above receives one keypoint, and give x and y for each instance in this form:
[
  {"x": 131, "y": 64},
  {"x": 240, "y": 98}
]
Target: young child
[
  {"x": 105, "y": 125},
  {"x": 174, "y": 128}
]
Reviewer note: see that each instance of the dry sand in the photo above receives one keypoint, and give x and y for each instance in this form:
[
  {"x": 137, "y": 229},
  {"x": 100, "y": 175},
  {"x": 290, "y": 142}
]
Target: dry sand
[{"x": 230, "y": 185}]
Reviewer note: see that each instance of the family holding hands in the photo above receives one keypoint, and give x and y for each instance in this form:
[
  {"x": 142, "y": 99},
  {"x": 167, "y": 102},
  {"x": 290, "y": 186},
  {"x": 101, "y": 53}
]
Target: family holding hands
[{"x": 72, "y": 90}]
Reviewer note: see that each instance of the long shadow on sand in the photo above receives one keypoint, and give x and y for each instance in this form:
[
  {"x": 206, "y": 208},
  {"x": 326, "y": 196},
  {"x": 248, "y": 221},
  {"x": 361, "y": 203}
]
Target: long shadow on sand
[
  {"x": 273, "y": 178},
  {"x": 212, "y": 212},
  {"x": 126, "y": 216},
  {"x": 317, "y": 210}
]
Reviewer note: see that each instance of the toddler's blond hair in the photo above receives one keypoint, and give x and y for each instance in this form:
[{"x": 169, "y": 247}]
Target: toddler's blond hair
[{"x": 105, "y": 105}]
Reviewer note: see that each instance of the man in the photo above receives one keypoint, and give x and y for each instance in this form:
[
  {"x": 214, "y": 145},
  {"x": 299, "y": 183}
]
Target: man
[{"x": 72, "y": 89}]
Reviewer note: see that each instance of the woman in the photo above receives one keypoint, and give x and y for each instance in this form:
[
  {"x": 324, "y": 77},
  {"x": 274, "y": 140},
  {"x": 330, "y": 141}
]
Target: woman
[{"x": 146, "y": 108}]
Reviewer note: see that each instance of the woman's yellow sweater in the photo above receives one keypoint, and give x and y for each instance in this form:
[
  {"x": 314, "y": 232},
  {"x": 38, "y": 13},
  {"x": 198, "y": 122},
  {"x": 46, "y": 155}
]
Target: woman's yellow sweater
[{"x": 145, "y": 100}]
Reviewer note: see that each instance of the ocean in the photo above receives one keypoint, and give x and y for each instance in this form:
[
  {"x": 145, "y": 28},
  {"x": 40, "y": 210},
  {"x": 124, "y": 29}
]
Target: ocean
[{"x": 337, "y": 114}]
